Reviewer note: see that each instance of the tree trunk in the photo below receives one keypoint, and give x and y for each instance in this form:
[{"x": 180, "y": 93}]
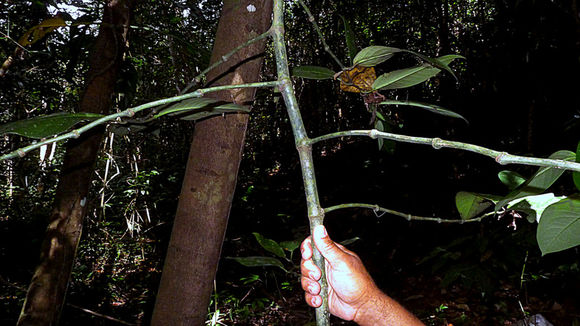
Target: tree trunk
[
  {"x": 211, "y": 173},
  {"x": 47, "y": 289}
]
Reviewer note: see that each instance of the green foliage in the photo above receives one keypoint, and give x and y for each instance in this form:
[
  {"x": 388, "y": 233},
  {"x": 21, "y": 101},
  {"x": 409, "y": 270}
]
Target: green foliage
[
  {"x": 470, "y": 205},
  {"x": 273, "y": 247},
  {"x": 511, "y": 179},
  {"x": 204, "y": 106},
  {"x": 313, "y": 72},
  {"x": 539, "y": 182},
  {"x": 374, "y": 55},
  {"x": 557, "y": 216},
  {"x": 576, "y": 175},
  {"x": 259, "y": 261},
  {"x": 408, "y": 77},
  {"x": 349, "y": 38},
  {"x": 429, "y": 107},
  {"x": 270, "y": 245},
  {"x": 47, "y": 125},
  {"x": 559, "y": 226}
]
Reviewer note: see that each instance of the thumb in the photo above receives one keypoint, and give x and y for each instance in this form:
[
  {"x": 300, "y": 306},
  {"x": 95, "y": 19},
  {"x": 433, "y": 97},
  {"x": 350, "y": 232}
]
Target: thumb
[{"x": 325, "y": 245}]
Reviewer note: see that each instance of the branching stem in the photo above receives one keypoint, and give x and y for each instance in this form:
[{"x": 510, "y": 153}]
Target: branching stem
[
  {"x": 128, "y": 114},
  {"x": 437, "y": 143},
  {"x": 408, "y": 217}
]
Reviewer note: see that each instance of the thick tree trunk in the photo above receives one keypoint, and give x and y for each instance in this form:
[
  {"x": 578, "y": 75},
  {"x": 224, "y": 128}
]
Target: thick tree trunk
[
  {"x": 47, "y": 289},
  {"x": 210, "y": 179}
]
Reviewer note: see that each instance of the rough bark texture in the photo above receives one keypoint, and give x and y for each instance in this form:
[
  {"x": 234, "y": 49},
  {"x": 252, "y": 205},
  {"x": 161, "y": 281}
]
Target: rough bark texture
[
  {"x": 47, "y": 290},
  {"x": 211, "y": 173}
]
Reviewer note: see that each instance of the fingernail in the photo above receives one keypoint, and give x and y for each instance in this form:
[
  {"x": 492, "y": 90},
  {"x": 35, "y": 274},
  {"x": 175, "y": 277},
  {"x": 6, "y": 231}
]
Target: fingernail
[{"x": 312, "y": 275}]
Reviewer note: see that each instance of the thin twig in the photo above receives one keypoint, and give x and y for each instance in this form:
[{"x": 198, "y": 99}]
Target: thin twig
[
  {"x": 130, "y": 113},
  {"x": 408, "y": 217},
  {"x": 320, "y": 35},
  {"x": 94, "y": 313},
  {"x": 437, "y": 143},
  {"x": 223, "y": 59}
]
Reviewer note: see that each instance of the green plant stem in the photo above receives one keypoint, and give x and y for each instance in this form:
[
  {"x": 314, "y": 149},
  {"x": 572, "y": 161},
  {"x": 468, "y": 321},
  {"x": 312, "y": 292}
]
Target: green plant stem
[
  {"x": 437, "y": 143},
  {"x": 223, "y": 59},
  {"x": 315, "y": 211},
  {"x": 129, "y": 113},
  {"x": 326, "y": 47},
  {"x": 408, "y": 217}
]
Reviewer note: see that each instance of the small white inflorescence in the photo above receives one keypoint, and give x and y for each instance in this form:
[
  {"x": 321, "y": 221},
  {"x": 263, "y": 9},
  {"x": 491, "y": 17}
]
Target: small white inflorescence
[{"x": 251, "y": 8}]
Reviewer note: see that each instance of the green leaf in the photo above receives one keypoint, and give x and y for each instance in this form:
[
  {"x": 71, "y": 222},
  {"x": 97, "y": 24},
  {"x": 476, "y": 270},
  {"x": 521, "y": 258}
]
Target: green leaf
[
  {"x": 539, "y": 182},
  {"x": 203, "y": 107},
  {"x": 349, "y": 38},
  {"x": 470, "y": 204},
  {"x": 559, "y": 226},
  {"x": 534, "y": 206},
  {"x": 576, "y": 175},
  {"x": 437, "y": 63},
  {"x": 187, "y": 105},
  {"x": 313, "y": 72},
  {"x": 291, "y": 245},
  {"x": 408, "y": 77},
  {"x": 380, "y": 127},
  {"x": 511, "y": 179},
  {"x": 270, "y": 245},
  {"x": 259, "y": 261},
  {"x": 46, "y": 125},
  {"x": 429, "y": 107},
  {"x": 349, "y": 241},
  {"x": 373, "y": 55}
]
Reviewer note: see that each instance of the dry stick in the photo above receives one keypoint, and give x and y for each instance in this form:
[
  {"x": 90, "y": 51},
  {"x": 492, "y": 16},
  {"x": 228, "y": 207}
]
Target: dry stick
[
  {"x": 304, "y": 147},
  {"x": 326, "y": 47},
  {"x": 408, "y": 217},
  {"x": 437, "y": 143},
  {"x": 130, "y": 113}
]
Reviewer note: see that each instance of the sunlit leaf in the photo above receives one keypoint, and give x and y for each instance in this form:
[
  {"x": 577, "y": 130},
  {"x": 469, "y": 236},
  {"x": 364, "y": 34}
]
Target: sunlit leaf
[
  {"x": 511, "y": 179},
  {"x": 408, "y": 77},
  {"x": 374, "y": 55},
  {"x": 259, "y": 261},
  {"x": 46, "y": 125},
  {"x": 470, "y": 205},
  {"x": 270, "y": 245},
  {"x": 313, "y": 72},
  {"x": 559, "y": 226},
  {"x": 37, "y": 32},
  {"x": 576, "y": 175},
  {"x": 427, "y": 106},
  {"x": 533, "y": 206},
  {"x": 540, "y": 181},
  {"x": 349, "y": 38}
]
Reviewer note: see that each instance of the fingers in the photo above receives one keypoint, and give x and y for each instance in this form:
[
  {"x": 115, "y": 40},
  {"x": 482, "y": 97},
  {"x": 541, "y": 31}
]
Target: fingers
[
  {"x": 306, "y": 248},
  {"x": 313, "y": 300},
  {"x": 326, "y": 246},
  {"x": 308, "y": 269}
]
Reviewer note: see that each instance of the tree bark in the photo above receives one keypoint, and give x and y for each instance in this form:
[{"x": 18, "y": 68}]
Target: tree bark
[
  {"x": 211, "y": 173},
  {"x": 47, "y": 290}
]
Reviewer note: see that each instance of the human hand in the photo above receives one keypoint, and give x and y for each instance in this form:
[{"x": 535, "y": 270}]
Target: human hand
[{"x": 350, "y": 287}]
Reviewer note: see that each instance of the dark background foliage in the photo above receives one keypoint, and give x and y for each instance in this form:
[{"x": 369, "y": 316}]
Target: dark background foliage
[{"x": 517, "y": 87}]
